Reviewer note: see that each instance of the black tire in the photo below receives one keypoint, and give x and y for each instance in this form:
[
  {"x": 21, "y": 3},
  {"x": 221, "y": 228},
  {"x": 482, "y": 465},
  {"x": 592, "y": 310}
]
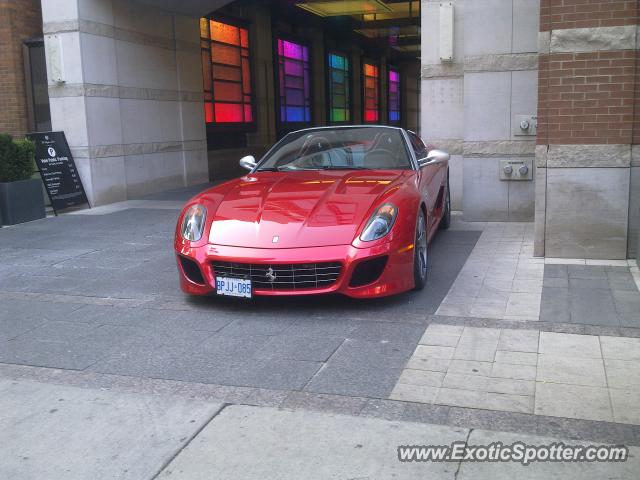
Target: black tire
[
  {"x": 445, "y": 222},
  {"x": 420, "y": 255}
]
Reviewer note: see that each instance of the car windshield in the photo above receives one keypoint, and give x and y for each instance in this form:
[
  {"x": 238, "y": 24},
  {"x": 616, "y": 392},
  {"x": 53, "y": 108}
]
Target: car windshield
[{"x": 340, "y": 149}]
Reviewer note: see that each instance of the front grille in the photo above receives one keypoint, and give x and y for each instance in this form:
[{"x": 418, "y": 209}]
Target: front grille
[{"x": 297, "y": 276}]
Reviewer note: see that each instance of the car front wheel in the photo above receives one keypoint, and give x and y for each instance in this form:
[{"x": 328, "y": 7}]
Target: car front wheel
[{"x": 420, "y": 253}]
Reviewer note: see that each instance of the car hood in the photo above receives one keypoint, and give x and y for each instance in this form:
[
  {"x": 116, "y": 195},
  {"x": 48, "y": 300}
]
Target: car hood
[{"x": 299, "y": 209}]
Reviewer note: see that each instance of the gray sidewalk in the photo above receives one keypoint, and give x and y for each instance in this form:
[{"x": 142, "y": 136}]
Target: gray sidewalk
[
  {"x": 102, "y": 357},
  {"x": 57, "y": 431}
]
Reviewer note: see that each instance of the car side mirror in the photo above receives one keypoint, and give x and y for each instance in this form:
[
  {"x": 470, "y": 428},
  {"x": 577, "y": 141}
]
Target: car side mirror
[
  {"x": 434, "y": 157},
  {"x": 248, "y": 162}
]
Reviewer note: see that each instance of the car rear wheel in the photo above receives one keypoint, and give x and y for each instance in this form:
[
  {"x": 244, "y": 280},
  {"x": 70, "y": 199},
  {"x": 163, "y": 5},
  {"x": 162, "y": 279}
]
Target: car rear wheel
[{"x": 420, "y": 253}]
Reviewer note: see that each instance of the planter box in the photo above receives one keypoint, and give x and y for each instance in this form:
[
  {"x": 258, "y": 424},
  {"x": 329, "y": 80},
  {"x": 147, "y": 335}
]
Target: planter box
[{"x": 21, "y": 201}]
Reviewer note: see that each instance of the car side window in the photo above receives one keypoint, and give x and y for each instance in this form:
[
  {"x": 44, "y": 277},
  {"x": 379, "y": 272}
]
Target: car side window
[{"x": 418, "y": 146}]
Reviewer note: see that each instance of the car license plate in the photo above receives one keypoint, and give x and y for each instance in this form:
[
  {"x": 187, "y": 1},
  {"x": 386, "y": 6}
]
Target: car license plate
[{"x": 233, "y": 287}]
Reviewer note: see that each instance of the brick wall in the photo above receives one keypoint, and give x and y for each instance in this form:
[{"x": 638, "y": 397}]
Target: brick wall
[
  {"x": 587, "y": 98},
  {"x": 19, "y": 20},
  {"x": 559, "y": 14}
]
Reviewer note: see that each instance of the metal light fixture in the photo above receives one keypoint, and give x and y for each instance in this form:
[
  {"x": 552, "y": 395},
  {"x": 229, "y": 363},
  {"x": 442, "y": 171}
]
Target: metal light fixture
[{"x": 334, "y": 8}]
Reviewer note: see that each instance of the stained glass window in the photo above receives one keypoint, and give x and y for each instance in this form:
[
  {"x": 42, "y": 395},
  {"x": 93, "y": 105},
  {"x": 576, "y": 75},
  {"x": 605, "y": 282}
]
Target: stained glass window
[
  {"x": 294, "y": 78},
  {"x": 339, "y": 100},
  {"x": 226, "y": 73},
  {"x": 371, "y": 93},
  {"x": 394, "y": 96}
]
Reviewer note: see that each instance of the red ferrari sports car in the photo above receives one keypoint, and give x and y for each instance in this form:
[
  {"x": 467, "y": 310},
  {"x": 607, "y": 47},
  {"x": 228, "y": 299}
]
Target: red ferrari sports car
[{"x": 346, "y": 209}]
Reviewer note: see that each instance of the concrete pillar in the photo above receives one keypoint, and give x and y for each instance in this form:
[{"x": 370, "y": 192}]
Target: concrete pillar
[
  {"x": 585, "y": 133},
  {"x": 125, "y": 86}
]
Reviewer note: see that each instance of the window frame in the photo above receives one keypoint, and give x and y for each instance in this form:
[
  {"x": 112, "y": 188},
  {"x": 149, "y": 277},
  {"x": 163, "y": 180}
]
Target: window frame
[
  {"x": 391, "y": 68},
  {"x": 231, "y": 126},
  {"x": 284, "y": 127},
  {"x": 363, "y": 77},
  {"x": 349, "y": 85}
]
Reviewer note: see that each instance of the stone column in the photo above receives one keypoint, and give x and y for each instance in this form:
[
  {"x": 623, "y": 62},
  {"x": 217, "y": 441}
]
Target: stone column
[
  {"x": 587, "y": 79},
  {"x": 125, "y": 86},
  {"x": 471, "y": 106}
]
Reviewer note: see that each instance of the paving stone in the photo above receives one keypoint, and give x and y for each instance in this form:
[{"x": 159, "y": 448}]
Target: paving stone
[
  {"x": 454, "y": 310},
  {"x": 489, "y": 293},
  {"x": 518, "y": 340},
  {"x": 425, "y": 413},
  {"x": 262, "y": 326},
  {"x": 587, "y": 271},
  {"x": 324, "y": 403},
  {"x": 428, "y": 363},
  {"x": 414, "y": 393},
  {"x": 571, "y": 370},
  {"x": 555, "y": 305},
  {"x": 12, "y": 327},
  {"x": 421, "y": 377},
  {"x": 376, "y": 353},
  {"x": 354, "y": 380},
  {"x": 578, "y": 283},
  {"x": 481, "y": 354},
  {"x": 484, "y": 400},
  {"x": 492, "y": 420},
  {"x": 573, "y": 401},
  {"x": 569, "y": 344},
  {"x": 389, "y": 331},
  {"x": 488, "y": 308},
  {"x": 470, "y": 367},
  {"x": 516, "y": 358},
  {"x": 559, "y": 282},
  {"x": 620, "y": 348},
  {"x": 441, "y": 329},
  {"x": 481, "y": 334},
  {"x": 623, "y": 283},
  {"x": 556, "y": 271},
  {"x": 58, "y": 331},
  {"x": 624, "y": 374},
  {"x": 489, "y": 384},
  {"x": 520, "y": 372},
  {"x": 439, "y": 340},
  {"x": 625, "y": 405},
  {"x": 527, "y": 285},
  {"x": 300, "y": 348},
  {"x": 430, "y": 351}
]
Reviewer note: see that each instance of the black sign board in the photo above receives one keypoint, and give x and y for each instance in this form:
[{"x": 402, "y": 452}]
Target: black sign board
[{"x": 58, "y": 170}]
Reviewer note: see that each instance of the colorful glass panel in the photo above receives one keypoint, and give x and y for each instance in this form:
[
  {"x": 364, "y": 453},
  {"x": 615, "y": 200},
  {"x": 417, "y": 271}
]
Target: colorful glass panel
[
  {"x": 371, "y": 93},
  {"x": 226, "y": 72},
  {"x": 394, "y": 96},
  {"x": 339, "y": 88},
  {"x": 294, "y": 82}
]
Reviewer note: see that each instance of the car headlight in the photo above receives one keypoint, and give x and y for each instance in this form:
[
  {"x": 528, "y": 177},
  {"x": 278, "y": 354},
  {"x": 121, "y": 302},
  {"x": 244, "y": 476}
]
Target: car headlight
[
  {"x": 193, "y": 223},
  {"x": 380, "y": 223}
]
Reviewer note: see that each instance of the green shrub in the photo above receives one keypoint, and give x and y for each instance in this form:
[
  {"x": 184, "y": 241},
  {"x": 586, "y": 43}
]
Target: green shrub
[{"x": 16, "y": 159}]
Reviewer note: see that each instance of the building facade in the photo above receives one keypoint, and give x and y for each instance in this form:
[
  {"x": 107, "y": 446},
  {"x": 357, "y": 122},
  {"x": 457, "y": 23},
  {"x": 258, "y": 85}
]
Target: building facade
[{"x": 536, "y": 100}]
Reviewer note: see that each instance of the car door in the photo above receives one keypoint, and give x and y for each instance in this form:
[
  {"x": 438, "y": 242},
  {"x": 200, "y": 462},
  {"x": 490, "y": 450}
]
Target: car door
[{"x": 429, "y": 174}]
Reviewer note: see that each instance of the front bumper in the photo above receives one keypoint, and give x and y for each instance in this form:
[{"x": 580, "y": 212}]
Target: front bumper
[{"x": 396, "y": 277}]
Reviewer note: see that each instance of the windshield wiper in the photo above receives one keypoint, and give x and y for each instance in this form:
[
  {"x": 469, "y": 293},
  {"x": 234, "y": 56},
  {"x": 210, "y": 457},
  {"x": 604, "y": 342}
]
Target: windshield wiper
[{"x": 268, "y": 169}]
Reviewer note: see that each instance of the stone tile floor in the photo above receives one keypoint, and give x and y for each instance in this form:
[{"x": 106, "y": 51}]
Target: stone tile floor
[
  {"x": 546, "y": 373},
  {"x": 501, "y": 279},
  {"x": 591, "y": 295}
]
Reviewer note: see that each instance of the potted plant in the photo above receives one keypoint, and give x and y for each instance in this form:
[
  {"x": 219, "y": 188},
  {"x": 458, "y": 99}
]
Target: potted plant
[{"x": 21, "y": 198}]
